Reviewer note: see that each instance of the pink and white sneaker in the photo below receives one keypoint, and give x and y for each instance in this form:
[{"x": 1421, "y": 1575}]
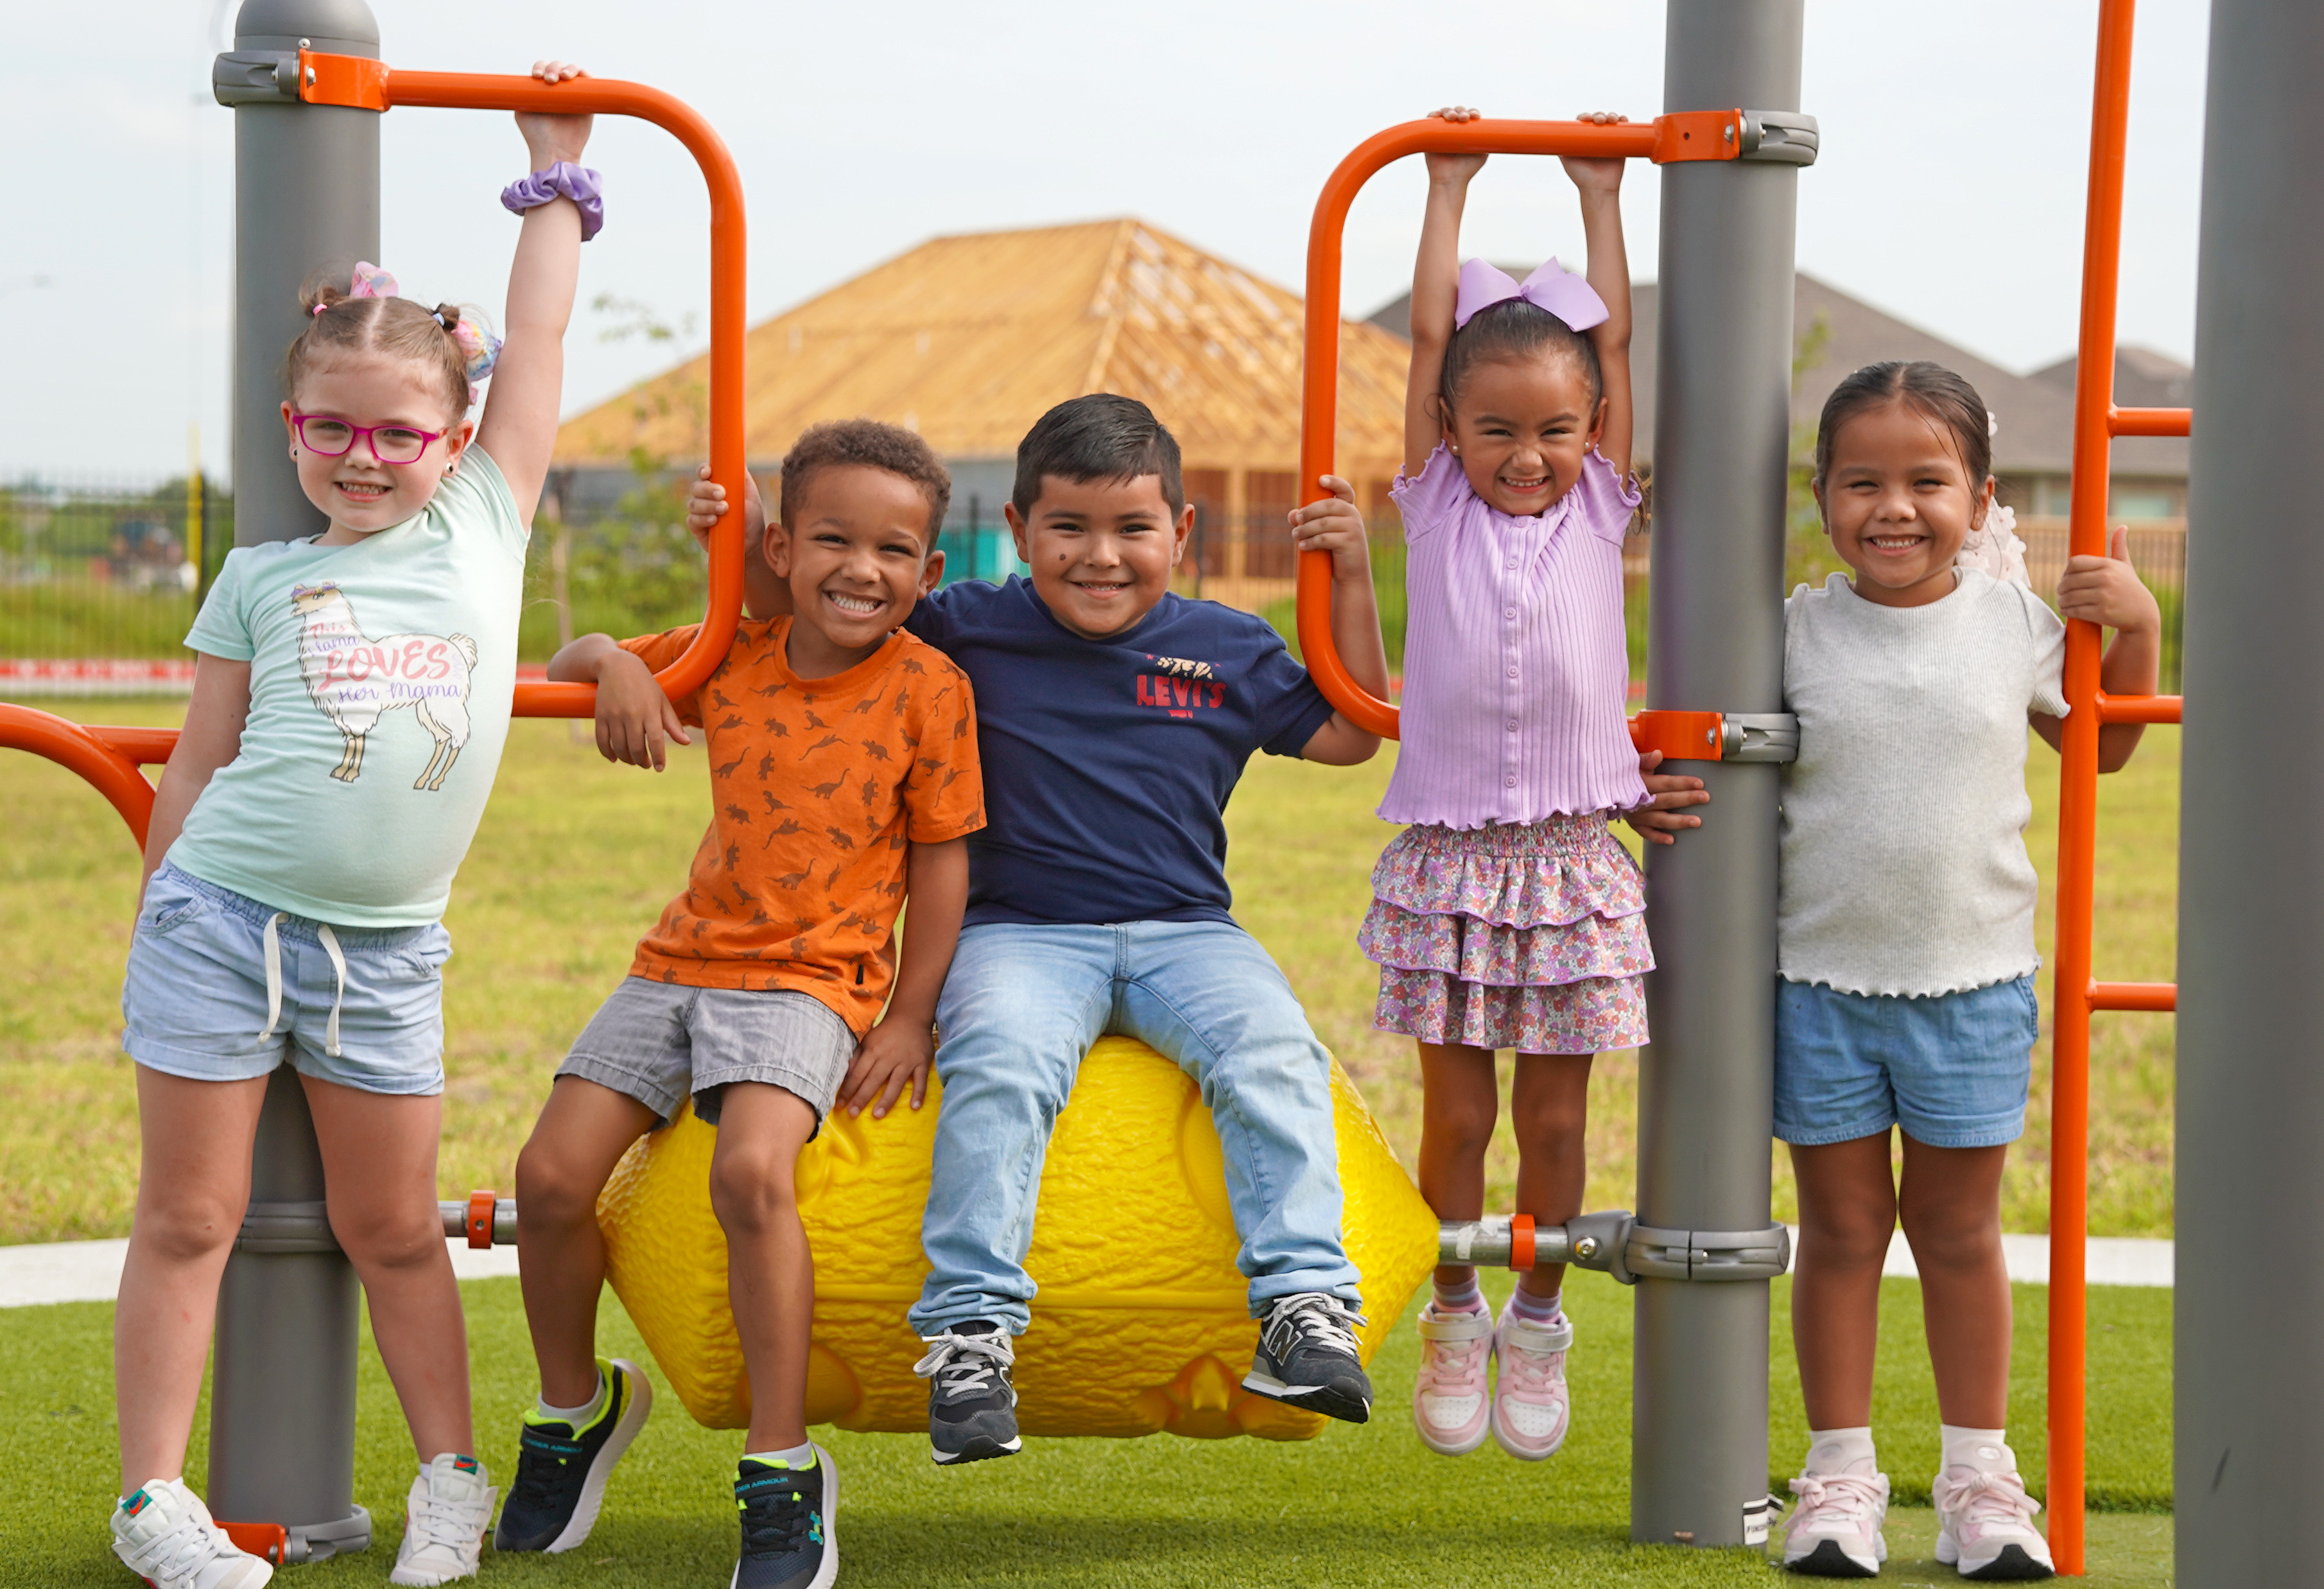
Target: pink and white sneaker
[
  {"x": 1449, "y": 1401},
  {"x": 1530, "y": 1405},
  {"x": 1834, "y": 1531},
  {"x": 1985, "y": 1525}
]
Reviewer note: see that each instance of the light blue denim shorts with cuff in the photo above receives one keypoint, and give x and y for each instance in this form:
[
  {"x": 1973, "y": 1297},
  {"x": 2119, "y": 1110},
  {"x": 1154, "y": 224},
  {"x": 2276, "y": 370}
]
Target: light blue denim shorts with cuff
[
  {"x": 221, "y": 987},
  {"x": 1952, "y": 1068}
]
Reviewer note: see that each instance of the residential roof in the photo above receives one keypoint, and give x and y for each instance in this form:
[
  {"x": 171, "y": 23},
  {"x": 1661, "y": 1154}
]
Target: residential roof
[
  {"x": 968, "y": 339},
  {"x": 2035, "y": 412}
]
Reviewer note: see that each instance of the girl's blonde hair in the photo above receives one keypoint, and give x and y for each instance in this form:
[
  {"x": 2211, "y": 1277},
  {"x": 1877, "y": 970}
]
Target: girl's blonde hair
[{"x": 338, "y": 322}]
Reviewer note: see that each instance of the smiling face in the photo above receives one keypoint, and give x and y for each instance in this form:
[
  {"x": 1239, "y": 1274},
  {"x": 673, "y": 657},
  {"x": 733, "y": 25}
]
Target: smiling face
[
  {"x": 856, "y": 558},
  {"x": 360, "y": 494},
  {"x": 1100, "y": 551},
  {"x": 1897, "y": 502},
  {"x": 1522, "y": 428}
]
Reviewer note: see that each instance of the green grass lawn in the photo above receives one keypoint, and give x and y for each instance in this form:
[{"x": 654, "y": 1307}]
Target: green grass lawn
[
  {"x": 576, "y": 858},
  {"x": 1359, "y": 1506}
]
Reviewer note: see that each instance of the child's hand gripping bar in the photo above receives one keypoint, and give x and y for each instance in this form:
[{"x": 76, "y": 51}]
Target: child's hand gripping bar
[
  {"x": 1684, "y": 135},
  {"x": 372, "y": 85}
]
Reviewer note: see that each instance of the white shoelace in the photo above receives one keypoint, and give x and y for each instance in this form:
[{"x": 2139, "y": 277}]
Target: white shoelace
[
  {"x": 1986, "y": 1498},
  {"x": 1317, "y": 1317},
  {"x": 272, "y": 943},
  {"x": 455, "y": 1525},
  {"x": 951, "y": 1360},
  {"x": 1841, "y": 1498}
]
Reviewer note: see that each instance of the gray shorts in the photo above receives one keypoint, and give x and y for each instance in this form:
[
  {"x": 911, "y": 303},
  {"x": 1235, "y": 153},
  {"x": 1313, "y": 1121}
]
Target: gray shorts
[{"x": 658, "y": 1041}]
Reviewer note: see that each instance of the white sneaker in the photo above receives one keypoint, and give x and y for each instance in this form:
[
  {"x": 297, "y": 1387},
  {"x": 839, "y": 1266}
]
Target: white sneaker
[
  {"x": 163, "y": 1534},
  {"x": 1985, "y": 1525},
  {"x": 1449, "y": 1397},
  {"x": 1531, "y": 1408},
  {"x": 1834, "y": 1532},
  {"x": 444, "y": 1521}
]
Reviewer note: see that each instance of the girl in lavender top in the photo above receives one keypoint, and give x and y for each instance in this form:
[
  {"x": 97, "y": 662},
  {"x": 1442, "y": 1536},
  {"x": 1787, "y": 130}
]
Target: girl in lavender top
[{"x": 1506, "y": 915}]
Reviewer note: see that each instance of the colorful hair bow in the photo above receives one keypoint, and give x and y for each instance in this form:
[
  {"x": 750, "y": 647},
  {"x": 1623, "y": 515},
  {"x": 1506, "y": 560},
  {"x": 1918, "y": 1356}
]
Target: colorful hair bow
[
  {"x": 479, "y": 349},
  {"x": 1552, "y": 288},
  {"x": 371, "y": 281}
]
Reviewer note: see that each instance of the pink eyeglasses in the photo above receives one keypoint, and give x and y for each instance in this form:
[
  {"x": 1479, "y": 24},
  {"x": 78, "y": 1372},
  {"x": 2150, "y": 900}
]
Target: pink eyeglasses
[{"x": 390, "y": 444}]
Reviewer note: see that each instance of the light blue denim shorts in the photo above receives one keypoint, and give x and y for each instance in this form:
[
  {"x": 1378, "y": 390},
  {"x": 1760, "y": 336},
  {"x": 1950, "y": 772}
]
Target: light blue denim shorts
[
  {"x": 1951, "y": 1069},
  {"x": 223, "y": 988}
]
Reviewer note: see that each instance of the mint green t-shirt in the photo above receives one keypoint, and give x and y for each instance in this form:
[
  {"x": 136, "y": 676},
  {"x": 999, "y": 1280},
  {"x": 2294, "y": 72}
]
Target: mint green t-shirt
[{"x": 381, "y": 676}]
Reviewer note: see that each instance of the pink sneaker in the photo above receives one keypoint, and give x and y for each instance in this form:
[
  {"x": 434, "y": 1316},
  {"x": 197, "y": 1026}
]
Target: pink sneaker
[
  {"x": 1834, "y": 1531},
  {"x": 1530, "y": 1406},
  {"x": 1985, "y": 1525},
  {"x": 1448, "y": 1400}
]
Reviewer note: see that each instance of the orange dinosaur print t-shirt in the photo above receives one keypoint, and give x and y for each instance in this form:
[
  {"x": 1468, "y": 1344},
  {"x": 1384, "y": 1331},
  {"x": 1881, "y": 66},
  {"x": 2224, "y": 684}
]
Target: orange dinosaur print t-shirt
[{"x": 816, "y": 786}]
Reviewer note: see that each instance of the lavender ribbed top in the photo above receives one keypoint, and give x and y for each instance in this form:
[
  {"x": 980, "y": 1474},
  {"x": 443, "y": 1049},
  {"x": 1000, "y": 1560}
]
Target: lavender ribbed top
[{"x": 1515, "y": 672}]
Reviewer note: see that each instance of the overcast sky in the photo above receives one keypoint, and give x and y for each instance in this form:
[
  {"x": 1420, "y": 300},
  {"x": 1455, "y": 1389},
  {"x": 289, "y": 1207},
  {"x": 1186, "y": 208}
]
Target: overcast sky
[{"x": 1949, "y": 191}]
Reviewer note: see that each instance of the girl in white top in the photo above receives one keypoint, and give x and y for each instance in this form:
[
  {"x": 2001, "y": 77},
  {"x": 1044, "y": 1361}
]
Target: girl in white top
[
  {"x": 1906, "y": 938},
  {"x": 351, "y": 693}
]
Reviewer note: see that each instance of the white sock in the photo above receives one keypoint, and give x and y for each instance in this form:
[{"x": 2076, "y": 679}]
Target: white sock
[
  {"x": 1986, "y": 1450},
  {"x": 576, "y": 1416},
  {"x": 798, "y": 1458},
  {"x": 1841, "y": 1451}
]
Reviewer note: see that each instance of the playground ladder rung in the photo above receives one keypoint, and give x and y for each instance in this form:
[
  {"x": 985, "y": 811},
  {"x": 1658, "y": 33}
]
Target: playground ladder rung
[
  {"x": 2149, "y": 421},
  {"x": 2160, "y": 997},
  {"x": 2140, "y": 708}
]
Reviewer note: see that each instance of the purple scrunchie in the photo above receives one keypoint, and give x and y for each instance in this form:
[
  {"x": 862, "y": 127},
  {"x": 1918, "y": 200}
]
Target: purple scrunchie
[{"x": 562, "y": 181}]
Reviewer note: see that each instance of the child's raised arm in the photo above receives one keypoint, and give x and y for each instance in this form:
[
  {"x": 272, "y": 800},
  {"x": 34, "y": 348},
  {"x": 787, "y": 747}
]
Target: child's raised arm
[
  {"x": 1435, "y": 291},
  {"x": 1600, "y": 182},
  {"x": 520, "y": 423}
]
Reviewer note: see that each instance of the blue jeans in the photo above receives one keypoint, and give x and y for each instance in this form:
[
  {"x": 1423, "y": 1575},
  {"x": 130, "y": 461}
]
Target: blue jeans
[{"x": 1023, "y": 1004}]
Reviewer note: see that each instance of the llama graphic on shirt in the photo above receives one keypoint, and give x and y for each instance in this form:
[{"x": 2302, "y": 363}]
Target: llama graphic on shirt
[{"x": 357, "y": 680}]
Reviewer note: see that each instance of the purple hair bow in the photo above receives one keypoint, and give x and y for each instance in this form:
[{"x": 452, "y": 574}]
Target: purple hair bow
[{"x": 1553, "y": 288}]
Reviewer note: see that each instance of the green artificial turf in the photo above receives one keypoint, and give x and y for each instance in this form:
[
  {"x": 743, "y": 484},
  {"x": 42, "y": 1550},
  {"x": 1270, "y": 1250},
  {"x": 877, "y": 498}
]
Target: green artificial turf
[{"x": 1359, "y": 1506}]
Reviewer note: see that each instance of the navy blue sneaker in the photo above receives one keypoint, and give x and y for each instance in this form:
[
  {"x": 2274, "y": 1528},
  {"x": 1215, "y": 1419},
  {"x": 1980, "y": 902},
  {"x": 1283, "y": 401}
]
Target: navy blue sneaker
[
  {"x": 788, "y": 1541},
  {"x": 561, "y": 1470},
  {"x": 971, "y": 1405},
  {"x": 1307, "y": 1358}
]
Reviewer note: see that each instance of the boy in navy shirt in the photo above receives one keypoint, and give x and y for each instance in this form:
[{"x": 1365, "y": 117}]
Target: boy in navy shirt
[{"x": 1114, "y": 720}]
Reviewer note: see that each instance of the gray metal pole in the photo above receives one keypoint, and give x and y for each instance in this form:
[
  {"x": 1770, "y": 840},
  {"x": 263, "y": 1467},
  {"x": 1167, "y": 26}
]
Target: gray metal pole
[
  {"x": 282, "y": 1399},
  {"x": 1698, "y": 1419},
  {"x": 2249, "y": 1395}
]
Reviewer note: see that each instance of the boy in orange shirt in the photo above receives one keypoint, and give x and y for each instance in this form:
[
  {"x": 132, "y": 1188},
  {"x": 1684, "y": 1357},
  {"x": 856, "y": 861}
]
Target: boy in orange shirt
[{"x": 843, "y": 775}]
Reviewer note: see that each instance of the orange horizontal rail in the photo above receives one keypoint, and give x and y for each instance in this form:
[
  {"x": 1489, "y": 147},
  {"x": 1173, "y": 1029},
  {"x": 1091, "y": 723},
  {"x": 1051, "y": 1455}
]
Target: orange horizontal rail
[
  {"x": 2139, "y": 708},
  {"x": 2160, "y": 997},
  {"x": 342, "y": 79},
  {"x": 82, "y": 749},
  {"x": 1713, "y": 134},
  {"x": 2149, "y": 421}
]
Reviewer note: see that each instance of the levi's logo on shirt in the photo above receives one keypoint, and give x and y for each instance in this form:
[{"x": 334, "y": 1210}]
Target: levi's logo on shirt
[{"x": 1179, "y": 686}]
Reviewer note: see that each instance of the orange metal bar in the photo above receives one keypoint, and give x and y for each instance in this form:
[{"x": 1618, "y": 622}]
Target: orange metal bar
[
  {"x": 1680, "y": 736},
  {"x": 2161, "y": 997},
  {"x": 330, "y": 79},
  {"x": 1319, "y": 409},
  {"x": 2094, "y": 417},
  {"x": 2149, "y": 421},
  {"x": 84, "y": 751},
  {"x": 2139, "y": 708}
]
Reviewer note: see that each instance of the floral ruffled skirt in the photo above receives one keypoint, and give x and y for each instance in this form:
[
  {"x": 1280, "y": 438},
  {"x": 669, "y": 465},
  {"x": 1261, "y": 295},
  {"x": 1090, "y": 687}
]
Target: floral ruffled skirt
[{"x": 1527, "y": 936}]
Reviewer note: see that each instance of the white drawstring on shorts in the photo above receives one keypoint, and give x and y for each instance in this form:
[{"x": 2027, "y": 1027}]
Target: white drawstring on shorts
[{"x": 274, "y": 946}]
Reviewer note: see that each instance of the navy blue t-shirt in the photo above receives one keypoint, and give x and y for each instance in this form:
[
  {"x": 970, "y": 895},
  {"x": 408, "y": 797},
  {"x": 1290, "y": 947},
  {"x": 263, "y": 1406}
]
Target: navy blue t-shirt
[{"x": 1108, "y": 764}]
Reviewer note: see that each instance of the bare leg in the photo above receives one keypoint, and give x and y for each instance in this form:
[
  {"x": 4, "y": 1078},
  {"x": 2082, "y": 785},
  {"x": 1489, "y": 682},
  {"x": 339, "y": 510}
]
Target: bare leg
[
  {"x": 581, "y": 1135},
  {"x": 769, "y": 1272},
  {"x": 1549, "y": 1105},
  {"x": 1952, "y": 1216},
  {"x": 193, "y": 1186},
  {"x": 379, "y": 1165},
  {"x": 1848, "y": 1212},
  {"x": 1460, "y": 1098}
]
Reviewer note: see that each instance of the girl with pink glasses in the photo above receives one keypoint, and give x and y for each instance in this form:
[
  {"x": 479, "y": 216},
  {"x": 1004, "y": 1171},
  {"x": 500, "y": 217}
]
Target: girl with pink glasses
[{"x": 351, "y": 695}]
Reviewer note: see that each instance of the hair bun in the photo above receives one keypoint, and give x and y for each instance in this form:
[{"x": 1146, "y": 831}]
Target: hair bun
[
  {"x": 319, "y": 295},
  {"x": 447, "y": 315}
]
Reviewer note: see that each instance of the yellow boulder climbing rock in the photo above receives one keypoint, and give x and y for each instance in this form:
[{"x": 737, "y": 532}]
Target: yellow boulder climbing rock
[{"x": 1140, "y": 1326}]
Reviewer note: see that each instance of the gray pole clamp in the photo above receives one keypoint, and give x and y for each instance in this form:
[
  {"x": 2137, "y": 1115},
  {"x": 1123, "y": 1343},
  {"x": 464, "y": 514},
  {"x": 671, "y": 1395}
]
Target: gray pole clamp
[
  {"x": 286, "y": 1227},
  {"x": 1759, "y": 737},
  {"x": 1779, "y": 137},
  {"x": 256, "y": 77},
  {"x": 1709, "y": 1255}
]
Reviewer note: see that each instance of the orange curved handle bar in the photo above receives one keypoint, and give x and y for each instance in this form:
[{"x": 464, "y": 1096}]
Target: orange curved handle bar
[
  {"x": 372, "y": 85},
  {"x": 1695, "y": 135},
  {"x": 112, "y": 767}
]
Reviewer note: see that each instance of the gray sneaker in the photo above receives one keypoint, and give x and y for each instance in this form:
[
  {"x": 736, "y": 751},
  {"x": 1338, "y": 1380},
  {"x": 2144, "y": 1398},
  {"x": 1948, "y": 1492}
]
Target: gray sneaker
[
  {"x": 971, "y": 1405},
  {"x": 1307, "y": 1357}
]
